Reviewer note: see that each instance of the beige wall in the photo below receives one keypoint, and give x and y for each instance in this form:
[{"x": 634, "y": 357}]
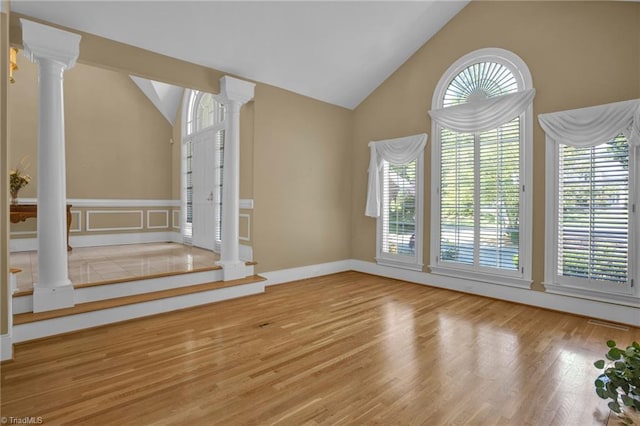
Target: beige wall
[
  {"x": 579, "y": 54},
  {"x": 302, "y": 183},
  {"x": 294, "y": 157},
  {"x": 117, "y": 142},
  {"x": 176, "y": 155},
  {"x": 4, "y": 181}
]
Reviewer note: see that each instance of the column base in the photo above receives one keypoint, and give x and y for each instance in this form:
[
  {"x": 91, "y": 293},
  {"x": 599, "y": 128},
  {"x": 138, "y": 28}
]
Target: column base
[
  {"x": 50, "y": 298},
  {"x": 233, "y": 270}
]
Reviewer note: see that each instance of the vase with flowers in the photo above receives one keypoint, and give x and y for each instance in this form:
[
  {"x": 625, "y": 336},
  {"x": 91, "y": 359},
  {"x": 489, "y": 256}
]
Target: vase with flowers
[{"x": 18, "y": 179}]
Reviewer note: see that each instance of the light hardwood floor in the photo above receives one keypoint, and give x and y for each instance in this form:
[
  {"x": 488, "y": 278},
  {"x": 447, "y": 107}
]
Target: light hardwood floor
[{"x": 348, "y": 348}]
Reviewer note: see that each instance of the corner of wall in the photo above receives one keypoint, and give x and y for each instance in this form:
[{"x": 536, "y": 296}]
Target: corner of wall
[{"x": 4, "y": 184}]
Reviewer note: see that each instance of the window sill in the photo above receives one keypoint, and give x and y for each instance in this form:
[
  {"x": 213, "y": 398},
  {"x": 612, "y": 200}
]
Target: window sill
[
  {"x": 618, "y": 299},
  {"x": 398, "y": 264},
  {"x": 482, "y": 277}
]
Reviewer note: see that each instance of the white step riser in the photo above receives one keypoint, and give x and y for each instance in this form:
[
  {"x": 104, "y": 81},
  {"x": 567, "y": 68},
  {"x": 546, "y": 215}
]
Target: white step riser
[
  {"x": 23, "y": 304},
  {"x": 39, "y": 329}
]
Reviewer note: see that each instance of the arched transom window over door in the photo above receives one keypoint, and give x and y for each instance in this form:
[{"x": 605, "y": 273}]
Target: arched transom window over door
[{"x": 204, "y": 121}]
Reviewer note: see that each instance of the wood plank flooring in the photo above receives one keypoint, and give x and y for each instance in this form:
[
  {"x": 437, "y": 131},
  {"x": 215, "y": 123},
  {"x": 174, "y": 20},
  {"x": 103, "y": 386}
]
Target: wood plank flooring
[{"x": 348, "y": 348}]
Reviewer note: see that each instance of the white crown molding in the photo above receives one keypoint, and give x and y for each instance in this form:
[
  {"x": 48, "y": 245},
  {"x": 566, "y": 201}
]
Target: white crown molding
[
  {"x": 43, "y": 41},
  {"x": 233, "y": 89}
]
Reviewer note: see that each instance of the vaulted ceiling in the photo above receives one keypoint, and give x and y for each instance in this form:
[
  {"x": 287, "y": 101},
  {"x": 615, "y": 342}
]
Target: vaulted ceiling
[{"x": 337, "y": 52}]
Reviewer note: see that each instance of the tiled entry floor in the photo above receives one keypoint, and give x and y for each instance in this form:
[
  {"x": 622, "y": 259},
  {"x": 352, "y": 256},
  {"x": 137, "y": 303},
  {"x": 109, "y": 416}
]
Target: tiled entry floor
[{"x": 96, "y": 264}]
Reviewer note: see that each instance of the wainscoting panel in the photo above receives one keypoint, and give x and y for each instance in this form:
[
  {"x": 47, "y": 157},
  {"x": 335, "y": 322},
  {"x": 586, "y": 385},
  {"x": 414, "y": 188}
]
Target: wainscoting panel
[
  {"x": 110, "y": 221},
  {"x": 76, "y": 221},
  {"x": 175, "y": 219},
  {"x": 245, "y": 227},
  {"x": 114, "y": 220},
  {"x": 157, "y": 219}
]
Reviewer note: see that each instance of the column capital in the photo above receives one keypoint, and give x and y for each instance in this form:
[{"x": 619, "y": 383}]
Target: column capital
[
  {"x": 233, "y": 89},
  {"x": 45, "y": 42}
]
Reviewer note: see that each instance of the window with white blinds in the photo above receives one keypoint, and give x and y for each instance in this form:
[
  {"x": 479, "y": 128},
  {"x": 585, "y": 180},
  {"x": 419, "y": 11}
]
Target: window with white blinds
[
  {"x": 593, "y": 213},
  {"x": 481, "y": 225},
  {"x": 399, "y": 225},
  {"x": 219, "y": 169},
  {"x": 480, "y": 197},
  {"x": 399, "y": 208}
]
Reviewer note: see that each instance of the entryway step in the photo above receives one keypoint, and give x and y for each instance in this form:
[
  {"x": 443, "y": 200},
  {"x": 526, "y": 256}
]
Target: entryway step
[
  {"x": 130, "y": 300},
  {"x": 29, "y": 326}
]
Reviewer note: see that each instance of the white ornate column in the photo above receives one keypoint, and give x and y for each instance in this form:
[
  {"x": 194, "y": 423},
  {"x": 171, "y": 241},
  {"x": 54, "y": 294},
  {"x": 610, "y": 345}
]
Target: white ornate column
[
  {"x": 54, "y": 51},
  {"x": 236, "y": 93}
]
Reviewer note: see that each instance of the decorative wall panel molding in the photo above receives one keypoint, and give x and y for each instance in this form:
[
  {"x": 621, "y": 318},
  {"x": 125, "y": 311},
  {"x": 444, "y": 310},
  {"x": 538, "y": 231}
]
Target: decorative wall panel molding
[{"x": 114, "y": 212}]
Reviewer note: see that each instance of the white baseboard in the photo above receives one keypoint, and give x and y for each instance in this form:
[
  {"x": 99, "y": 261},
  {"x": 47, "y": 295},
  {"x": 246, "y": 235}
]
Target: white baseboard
[
  {"x": 31, "y": 244},
  {"x": 6, "y": 347},
  {"x": 303, "y": 272},
  {"x": 573, "y": 305},
  {"x": 590, "y": 308}
]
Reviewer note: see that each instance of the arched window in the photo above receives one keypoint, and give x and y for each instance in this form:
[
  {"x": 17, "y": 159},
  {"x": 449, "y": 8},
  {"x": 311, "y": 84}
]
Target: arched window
[
  {"x": 481, "y": 169},
  {"x": 203, "y": 146}
]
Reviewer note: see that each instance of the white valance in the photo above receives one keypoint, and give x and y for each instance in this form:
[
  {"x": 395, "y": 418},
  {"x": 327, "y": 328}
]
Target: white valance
[
  {"x": 395, "y": 151},
  {"x": 593, "y": 126},
  {"x": 485, "y": 114}
]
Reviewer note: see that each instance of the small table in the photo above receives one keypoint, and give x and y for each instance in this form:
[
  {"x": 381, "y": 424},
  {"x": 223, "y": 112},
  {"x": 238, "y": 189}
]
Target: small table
[{"x": 22, "y": 212}]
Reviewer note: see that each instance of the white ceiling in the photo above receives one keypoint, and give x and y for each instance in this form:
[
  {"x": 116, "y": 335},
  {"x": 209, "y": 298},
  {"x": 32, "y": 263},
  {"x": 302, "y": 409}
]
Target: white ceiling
[{"x": 337, "y": 52}]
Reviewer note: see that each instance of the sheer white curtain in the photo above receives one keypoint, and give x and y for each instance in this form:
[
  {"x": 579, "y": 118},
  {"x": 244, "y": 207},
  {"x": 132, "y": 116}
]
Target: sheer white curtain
[
  {"x": 482, "y": 115},
  {"x": 395, "y": 151},
  {"x": 586, "y": 127}
]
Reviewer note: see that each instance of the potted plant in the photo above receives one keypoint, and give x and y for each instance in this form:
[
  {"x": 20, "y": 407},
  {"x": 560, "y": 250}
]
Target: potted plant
[
  {"x": 18, "y": 179},
  {"x": 620, "y": 381}
]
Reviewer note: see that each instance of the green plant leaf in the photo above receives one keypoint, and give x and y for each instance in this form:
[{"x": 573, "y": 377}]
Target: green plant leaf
[
  {"x": 614, "y": 407},
  {"x": 611, "y": 343},
  {"x": 602, "y": 393},
  {"x": 626, "y": 400},
  {"x": 599, "y": 363},
  {"x": 614, "y": 353},
  {"x": 620, "y": 365},
  {"x": 599, "y": 383}
]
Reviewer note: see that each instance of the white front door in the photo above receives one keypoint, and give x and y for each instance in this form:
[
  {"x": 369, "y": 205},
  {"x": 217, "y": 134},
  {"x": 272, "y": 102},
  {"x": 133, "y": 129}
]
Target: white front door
[{"x": 203, "y": 189}]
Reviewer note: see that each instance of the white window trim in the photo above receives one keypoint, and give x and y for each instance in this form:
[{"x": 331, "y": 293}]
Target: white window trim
[
  {"x": 413, "y": 263},
  {"x": 574, "y": 288},
  {"x": 521, "y": 278}
]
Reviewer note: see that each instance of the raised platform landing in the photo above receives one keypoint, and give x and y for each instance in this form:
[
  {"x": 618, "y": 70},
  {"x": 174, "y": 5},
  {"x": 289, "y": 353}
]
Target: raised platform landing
[
  {"x": 111, "y": 264},
  {"x": 119, "y": 283}
]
